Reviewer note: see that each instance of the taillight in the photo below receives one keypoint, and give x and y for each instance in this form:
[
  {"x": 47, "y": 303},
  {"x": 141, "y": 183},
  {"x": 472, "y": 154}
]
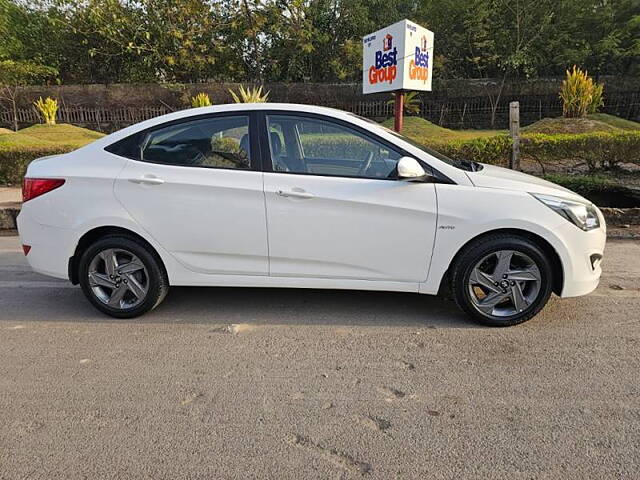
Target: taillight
[{"x": 34, "y": 187}]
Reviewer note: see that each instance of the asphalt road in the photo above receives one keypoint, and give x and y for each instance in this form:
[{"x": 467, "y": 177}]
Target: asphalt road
[{"x": 286, "y": 384}]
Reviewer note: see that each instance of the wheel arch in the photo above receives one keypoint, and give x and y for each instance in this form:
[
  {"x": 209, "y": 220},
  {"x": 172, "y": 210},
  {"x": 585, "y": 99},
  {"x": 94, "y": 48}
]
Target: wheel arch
[
  {"x": 91, "y": 236},
  {"x": 554, "y": 258}
]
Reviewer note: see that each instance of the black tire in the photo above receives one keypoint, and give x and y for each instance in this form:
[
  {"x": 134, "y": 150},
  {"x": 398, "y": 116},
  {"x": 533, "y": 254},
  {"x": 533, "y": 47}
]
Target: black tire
[
  {"x": 474, "y": 253},
  {"x": 158, "y": 282}
]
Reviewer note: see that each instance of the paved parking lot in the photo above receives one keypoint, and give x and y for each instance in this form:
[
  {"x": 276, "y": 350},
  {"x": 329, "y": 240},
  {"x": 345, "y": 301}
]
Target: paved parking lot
[{"x": 224, "y": 383}]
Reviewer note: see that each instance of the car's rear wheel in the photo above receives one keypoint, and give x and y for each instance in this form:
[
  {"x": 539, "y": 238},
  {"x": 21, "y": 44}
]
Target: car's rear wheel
[
  {"x": 122, "y": 277},
  {"x": 502, "y": 280}
]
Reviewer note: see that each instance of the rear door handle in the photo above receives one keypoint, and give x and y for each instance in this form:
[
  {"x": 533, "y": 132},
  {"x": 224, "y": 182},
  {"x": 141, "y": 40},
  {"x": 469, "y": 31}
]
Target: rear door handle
[
  {"x": 147, "y": 180},
  {"x": 295, "y": 193}
]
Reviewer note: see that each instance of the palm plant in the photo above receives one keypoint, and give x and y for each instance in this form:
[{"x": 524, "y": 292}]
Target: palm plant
[
  {"x": 411, "y": 103},
  {"x": 249, "y": 95},
  {"x": 200, "y": 100}
]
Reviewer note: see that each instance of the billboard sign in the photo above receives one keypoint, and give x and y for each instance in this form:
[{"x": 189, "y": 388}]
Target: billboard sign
[{"x": 397, "y": 57}]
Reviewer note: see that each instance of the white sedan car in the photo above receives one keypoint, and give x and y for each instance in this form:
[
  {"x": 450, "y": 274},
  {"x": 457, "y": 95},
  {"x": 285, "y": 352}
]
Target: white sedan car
[{"x": 281, "y": 195}]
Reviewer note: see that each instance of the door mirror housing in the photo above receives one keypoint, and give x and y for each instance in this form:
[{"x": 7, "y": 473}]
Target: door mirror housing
[{"x": 410, "y": 169}]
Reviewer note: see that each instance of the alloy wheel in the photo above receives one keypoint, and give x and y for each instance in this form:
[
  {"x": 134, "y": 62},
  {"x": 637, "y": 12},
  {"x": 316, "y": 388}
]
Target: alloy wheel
[
  {"x": 504, "y": 283},
  {"x": 118, "y": 278}
]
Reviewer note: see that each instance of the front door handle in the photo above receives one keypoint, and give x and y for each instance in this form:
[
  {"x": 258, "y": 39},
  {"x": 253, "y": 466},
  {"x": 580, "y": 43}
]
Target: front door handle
[
  {"x": 147, "y": 180},
  {"x": 295, "y": 193}
]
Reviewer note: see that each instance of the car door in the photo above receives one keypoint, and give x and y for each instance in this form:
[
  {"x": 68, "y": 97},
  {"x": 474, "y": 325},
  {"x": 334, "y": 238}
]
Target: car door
[
  {"x": 194, "y": 187},
  {"x": 335, "y": 208}
]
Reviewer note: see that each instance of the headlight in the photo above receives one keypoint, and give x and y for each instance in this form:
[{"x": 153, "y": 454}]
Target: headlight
[{"x": 583, "y": 215}]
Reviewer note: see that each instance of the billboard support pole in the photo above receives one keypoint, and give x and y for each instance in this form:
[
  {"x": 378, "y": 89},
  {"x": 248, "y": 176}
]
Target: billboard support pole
[{"x": 398, "y": 110}]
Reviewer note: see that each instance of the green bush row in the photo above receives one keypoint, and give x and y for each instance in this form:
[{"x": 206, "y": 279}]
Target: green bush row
[
  {"x": 495, "y": 150},
  {"x": 334, "y": 146},
  {"x": 15, "y": 159},
  {"x": 598, "y": 150}
]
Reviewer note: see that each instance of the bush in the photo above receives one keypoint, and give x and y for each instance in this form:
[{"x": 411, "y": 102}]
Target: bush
[
  {"x": 495, "y": 150},
  {"x": 334, "y": 146},
  {"x": 249, "y": 95},
  {"x": 48, "y": 108},
  {"x": 582, "y": 184},
  {"x": 580, "y": 94},
  {"x": 200, "y": 100},
  {"x": 15, "y": 159},
  {"x": 598, "y": 150}
]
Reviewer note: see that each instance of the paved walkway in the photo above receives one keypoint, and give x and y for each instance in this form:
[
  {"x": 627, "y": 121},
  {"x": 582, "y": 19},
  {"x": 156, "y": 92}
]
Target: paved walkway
[{"x": 10, "y": 195}]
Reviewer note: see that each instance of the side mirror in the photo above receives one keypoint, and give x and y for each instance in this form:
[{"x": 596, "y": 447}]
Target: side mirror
[{"x": 409, "y": 169}]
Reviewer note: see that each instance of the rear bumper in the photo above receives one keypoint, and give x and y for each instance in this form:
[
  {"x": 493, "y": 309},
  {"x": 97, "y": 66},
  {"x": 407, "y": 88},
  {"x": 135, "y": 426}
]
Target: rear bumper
[{"x": 51, "y": 247}]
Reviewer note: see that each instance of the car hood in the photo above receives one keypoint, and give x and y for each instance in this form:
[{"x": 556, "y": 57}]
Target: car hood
[{"x": 491, "y": 176}]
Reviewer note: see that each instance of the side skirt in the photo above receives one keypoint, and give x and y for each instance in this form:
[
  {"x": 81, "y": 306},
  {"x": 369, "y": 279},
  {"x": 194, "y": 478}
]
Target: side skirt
[{"x": 296, "y": 282}]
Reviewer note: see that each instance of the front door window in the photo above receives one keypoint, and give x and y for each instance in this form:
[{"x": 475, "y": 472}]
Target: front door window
[{"x": 318, "y": 147}]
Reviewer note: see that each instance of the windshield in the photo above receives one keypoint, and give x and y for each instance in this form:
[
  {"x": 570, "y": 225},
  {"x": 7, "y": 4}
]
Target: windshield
[{"x": 461, "y": 164}]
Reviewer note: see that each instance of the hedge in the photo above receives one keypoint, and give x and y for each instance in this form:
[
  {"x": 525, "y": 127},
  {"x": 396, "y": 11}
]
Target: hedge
[
  {"x": 334, "y": 146},
  {"x": 14, "y": 160},
  {"x": 600, "y": 150},
  {"x": 495, "y": 150}
]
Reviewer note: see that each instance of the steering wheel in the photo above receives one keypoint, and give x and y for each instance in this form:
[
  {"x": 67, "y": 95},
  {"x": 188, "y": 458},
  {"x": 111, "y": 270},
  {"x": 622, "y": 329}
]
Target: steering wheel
[{"x": 365, "y": 166}]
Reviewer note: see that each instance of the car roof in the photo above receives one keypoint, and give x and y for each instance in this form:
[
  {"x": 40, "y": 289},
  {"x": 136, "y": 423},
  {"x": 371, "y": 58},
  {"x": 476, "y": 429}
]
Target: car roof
[
  {"x": 363, "y": 123},
  {"x": 230, "y": 107}
]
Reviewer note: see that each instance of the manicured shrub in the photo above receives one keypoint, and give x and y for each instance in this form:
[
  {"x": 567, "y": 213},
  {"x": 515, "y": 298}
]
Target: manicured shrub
[
  {"x": 582, "y": 184},
  {"x": 334, "y": 146},
  {"x": 48, "y": 109},
  {"x": 598, "y": 150},
  {"x": 15, "y": 159},
  {"x": 494, "y": 150}
]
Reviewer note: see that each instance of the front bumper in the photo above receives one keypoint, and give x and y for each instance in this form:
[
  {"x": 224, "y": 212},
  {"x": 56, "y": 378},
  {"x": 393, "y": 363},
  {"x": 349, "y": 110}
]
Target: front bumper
[{"x": 582, "y": 258}]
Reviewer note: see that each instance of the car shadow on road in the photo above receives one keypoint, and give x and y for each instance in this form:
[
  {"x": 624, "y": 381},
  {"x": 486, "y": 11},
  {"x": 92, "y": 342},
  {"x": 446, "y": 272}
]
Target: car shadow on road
[
  {"x": 259, "y": 306},
  {"x": 284, "y": 306}
]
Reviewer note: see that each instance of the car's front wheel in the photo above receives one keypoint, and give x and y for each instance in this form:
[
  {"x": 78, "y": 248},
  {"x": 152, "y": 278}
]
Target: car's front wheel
[
  {"x": 502, "y": 280},
  {"x": 121, "y": 276}
]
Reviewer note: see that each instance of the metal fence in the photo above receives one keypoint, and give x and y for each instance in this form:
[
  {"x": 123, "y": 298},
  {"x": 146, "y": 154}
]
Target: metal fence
[
  {"x": 98, "y": 118},
  {"x": 472, "y": 112}
]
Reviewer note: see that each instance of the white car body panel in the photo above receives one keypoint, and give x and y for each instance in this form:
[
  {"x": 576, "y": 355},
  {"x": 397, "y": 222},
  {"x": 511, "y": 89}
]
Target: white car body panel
[
  {"x": 229, "y": 227},
  {"x": 353, "y": 228},
  {"x": 210, "y": 220}
]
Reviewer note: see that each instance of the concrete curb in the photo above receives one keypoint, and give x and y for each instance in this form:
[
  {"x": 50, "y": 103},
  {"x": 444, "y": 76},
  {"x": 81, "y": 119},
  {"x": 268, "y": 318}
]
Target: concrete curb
[
  {"x": 8, "y": 214},
  {"x": 621, "y": 216}
]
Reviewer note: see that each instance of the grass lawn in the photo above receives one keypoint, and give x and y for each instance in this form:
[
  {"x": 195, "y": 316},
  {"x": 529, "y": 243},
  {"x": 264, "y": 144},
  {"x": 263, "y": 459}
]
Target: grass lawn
[
  {"x": 17, "y": 140},
  {"x": 5, "y": 131},
  {"x": 60, "y": 134},
  {"x": 422, "y": 130},
  {"x": 614, "y": 121},
  {"x": 597, "y": 122}
]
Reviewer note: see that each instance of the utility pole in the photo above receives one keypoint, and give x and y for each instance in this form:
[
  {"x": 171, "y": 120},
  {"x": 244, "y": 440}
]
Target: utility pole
[{"x": 514, "y": 131}]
